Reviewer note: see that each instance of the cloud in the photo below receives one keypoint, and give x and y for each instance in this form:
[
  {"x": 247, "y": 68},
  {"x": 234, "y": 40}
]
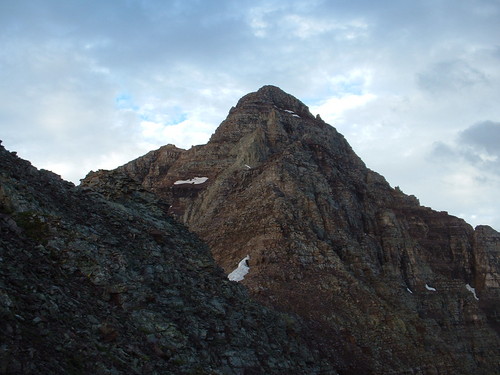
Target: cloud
[
  {"x": 442, "y": 152},
  {"x": 87, "y": 85},
  {"x": 470, "y": 171},
  {"x": 477, "y": 145},
  {"x": 450, "y": 76},
  {"x": 333, "y": 108},
  {"x": 483, "y": 137}
]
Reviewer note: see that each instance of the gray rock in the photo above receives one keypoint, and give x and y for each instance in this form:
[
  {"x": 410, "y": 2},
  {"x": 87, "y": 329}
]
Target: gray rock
[{"x": 104, "y": 281}]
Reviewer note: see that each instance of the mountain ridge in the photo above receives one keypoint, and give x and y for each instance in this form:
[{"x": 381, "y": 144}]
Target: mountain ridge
[
  {"x": 331, "y": 241},
  {"x": 105, "y": 282},
  {"x": 343, "y": 273}
]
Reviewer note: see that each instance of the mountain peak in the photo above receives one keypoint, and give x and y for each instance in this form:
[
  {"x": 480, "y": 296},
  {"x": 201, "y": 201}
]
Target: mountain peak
[
  {"x": 269, "y": 109},
  {"x": 368, "y": 269},
  {"x": 275, "y": 96}
]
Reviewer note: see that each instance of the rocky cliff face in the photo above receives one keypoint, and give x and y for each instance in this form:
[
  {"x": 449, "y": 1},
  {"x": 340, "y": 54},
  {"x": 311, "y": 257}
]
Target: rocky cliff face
[
  {"x": 103, "y": 281},
  {"x": 385, "y": 284}
]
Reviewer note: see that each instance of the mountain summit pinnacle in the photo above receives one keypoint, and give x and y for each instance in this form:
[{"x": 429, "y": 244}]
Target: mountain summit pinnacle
[
  {"x": 277, "y": 97},
  {"x": 382, "y": 282},
  {"x": 271, "y": 115}
]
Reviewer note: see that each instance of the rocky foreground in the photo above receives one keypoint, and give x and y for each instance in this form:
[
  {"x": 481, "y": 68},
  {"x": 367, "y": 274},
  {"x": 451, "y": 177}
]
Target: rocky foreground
[
  {"x": 386, "y": 285},
  {"x": 94, "y": 283}
]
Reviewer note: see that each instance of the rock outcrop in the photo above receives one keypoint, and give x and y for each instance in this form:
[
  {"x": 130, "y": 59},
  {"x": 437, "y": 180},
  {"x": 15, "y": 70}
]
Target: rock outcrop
[
  {"x": 388, "y": 286},
  {"x": 103, "y": 281}
]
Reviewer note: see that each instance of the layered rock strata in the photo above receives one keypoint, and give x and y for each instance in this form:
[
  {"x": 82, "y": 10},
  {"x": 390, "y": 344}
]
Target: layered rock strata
[{"x": 386, "y": 284}]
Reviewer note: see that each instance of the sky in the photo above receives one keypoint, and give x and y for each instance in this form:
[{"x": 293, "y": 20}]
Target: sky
[{"x": 414, "y": 86}]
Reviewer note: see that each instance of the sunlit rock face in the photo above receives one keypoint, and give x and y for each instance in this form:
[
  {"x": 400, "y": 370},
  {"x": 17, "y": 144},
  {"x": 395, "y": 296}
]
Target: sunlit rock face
[{"x": 387, "y": 285}]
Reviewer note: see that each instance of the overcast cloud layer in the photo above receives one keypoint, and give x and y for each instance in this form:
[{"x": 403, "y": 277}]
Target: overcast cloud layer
[{"x": 413, "y": 85}]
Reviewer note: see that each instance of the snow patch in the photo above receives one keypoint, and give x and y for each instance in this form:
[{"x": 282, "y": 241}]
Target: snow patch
[
  {"x": 472, "y": 290},
  {"x": 430, "y": 288},
  {"x": 249, "y": 167},
  {"x": 292, "y": 113},
  {"x": 239, "y": 273},
  {"x": 287, "y": 111},
  {"x": 194, "y": 181},
  {"x": 409, "y": 290}
]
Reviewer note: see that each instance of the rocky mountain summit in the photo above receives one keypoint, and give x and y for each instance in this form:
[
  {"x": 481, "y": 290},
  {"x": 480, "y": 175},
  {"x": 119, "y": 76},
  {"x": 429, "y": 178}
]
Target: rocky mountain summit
[
  {"x": 103, "y": 281},
  {"x": 383, "y": 284}
]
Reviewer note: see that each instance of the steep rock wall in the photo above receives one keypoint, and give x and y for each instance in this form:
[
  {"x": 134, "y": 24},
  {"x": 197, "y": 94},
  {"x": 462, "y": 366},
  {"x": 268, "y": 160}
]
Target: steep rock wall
[{"x": 381, "y": 280}]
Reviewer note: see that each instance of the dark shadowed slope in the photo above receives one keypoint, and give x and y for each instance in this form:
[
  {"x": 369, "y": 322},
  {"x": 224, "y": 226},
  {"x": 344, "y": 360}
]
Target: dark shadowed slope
[{"x": 107, "y": 283}]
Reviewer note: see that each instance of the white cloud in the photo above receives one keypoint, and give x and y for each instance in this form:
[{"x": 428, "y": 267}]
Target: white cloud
[
  {"x": 394, "y": 77},
  {"x": 185, "y": 134},
  {"x": 332, "y": 109},
  {"x": 306, "y": 27},
  {"x": 451, "y": 75}
]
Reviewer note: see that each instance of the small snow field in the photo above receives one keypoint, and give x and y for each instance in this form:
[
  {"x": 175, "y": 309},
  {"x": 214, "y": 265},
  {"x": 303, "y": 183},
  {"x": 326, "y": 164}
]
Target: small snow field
[
  {"x": 287, "y": 111},
  {"x": 239, "y": 273},
  {"x": 193, "y": 181},
  {"x": 292, "y": 113},
  {"x": 430, "y": 288},
  {"x": 472, "y": 290}
]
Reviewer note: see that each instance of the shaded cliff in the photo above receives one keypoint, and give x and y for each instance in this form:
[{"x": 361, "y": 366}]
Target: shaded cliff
[
  {"x": 105, "y": 282},
  {"x": 391, "y": 286}
]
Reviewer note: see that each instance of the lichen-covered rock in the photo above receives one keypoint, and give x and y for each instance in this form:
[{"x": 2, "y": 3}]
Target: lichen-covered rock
[
  {"x": 100, "y": 280},
  {"x": 380, "y": 280}
]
